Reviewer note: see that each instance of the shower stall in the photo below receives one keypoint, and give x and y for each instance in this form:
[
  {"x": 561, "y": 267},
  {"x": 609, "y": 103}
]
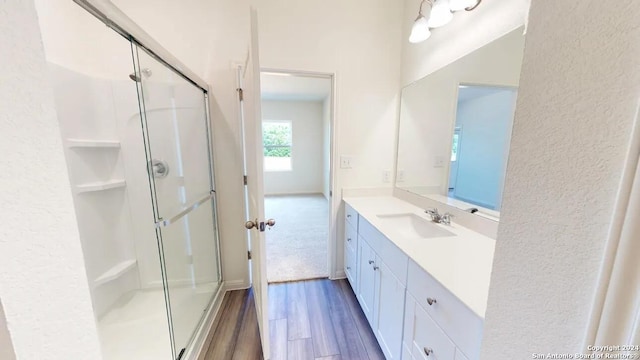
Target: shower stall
[{"x": 137, "y": 142}]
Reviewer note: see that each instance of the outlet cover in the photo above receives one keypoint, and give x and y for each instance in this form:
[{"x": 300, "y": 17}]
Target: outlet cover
[
  {"x": 400, "y": 176},
  {"x": 438, "y": 161},
  {"x": 386, "y": 176},
  {"x": 346, "y": 162}
]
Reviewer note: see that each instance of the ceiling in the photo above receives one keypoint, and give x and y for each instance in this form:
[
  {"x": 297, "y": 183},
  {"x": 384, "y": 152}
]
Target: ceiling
[{"x": 287, "y": 87}]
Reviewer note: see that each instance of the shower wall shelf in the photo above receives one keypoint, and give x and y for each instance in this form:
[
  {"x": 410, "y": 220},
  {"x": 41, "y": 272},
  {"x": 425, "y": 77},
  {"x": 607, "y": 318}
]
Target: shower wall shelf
[
  {"x": 101, "y": 186},
  {"x": 115, "y": 272},
  {"x": 87, "y": 143}
]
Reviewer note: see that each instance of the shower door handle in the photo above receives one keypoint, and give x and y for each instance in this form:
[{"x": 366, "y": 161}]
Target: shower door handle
[{"x": 159, "y": 168}]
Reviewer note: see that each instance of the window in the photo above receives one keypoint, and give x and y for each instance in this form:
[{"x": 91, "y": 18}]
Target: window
[
  {"x": 276, "y": 139},
  {"x": 454, "y": 146}
]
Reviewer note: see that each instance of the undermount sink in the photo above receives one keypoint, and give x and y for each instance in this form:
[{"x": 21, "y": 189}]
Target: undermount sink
[{"x": 413, "y": 226}]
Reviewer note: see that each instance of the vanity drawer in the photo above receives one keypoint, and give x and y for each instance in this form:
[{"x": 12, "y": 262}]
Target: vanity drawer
[
  {"x": 351, "y": 216},
  {"x": 462, "y": 325},
  {"x": 429, "y": 342},
  {"x": 351, "y": 266},
  {"x": 394, "y": 258},
  {"x": 350, "y": 236}
]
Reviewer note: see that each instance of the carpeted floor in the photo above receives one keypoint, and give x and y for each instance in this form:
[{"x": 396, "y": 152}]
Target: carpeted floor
[{"x": 297, "y": 245}]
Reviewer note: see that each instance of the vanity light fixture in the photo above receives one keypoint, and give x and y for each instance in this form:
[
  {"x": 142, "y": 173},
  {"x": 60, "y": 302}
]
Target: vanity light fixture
[
  {"x": 440, "y": 14},
  {"x": 468, "y": 5},
  {"x": 420, "y": 30}
]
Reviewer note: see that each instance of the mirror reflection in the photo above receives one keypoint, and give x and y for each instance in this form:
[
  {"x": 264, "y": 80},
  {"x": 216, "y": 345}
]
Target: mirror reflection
[
  {"x": 455, "y": 127},
  {"x": 480, "y": 144}
]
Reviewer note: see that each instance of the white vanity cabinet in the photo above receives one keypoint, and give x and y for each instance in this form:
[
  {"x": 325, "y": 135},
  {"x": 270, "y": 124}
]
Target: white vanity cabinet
[
  {"x": 433, "y": 315},
  {"x": 413, "y": 316},
  {"x": 382, "y": 271}
]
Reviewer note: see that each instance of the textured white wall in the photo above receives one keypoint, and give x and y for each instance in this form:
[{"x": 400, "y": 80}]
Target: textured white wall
[
  {"x": 43, "y": 285},
  {"x": 467, "y": 32},
  {"x": 359, "y": 41},
  {"x": 306, "y": 150},
  {"x": 579, "y": 90}
]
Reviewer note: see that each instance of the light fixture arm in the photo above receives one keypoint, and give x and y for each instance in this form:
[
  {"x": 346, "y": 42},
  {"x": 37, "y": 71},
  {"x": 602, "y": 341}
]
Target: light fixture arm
[
  {"x": 422, "y": 3},
  {"x": 471, "y": 8}
]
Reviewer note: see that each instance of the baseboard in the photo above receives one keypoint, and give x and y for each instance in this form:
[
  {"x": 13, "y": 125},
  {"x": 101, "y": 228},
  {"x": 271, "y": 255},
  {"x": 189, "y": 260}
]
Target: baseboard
[
  {"x": 200, "y": 343},
  {"x": 339, "y": 275},
  {"x": 296, "y": 193},
  {"x": 236, "y": 285}
]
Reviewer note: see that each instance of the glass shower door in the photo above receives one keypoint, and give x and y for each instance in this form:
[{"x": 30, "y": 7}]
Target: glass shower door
[{"x": 178, "y": 153}]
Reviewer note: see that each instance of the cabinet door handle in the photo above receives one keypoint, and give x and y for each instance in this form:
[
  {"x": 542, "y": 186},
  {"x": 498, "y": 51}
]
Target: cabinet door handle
[
  {"x": 371, "y": 262},
  {"x": 431, "y": 301},
  {"x": 349, "y": 215},
  {"x": 348, "y": 267},
  {"x": 348, "y": 239},
  {"x": 376, "y": 267},
  {"x": 428, "y": 351}
]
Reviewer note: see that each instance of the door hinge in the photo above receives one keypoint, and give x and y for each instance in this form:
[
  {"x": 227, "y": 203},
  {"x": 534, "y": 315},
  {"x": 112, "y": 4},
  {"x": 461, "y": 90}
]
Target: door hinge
[
  {"x": 330, "y": 193},
  {"x": 249, "y": 255},
  {"x": 244, "y": 178},
  {"x": 240, "y": 94}
]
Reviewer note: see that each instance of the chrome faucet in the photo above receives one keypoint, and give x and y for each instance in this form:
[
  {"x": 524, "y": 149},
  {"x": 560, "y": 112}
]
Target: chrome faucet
[{"x": 436, "y": 217}]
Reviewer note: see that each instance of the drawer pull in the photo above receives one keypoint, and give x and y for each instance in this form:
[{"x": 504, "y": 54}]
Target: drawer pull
[
  {"x": 431, "y": 301},
  {"x": 371, "y": 262},
  {"x": 348, "y": 267},
  {"x": 348, "y": 239},
  {"x": 376, "y": 267},
  {"x": 428, "y": 351},
  {"x": 349, "y": 215}
]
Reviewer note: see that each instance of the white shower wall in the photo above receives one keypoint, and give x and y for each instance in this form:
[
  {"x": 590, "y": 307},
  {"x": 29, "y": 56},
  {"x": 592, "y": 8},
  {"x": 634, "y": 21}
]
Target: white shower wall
[{"x": 120, "y": 253}]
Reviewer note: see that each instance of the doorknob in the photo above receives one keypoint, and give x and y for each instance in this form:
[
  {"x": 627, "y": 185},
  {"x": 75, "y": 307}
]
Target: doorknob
[
  {"x": 251, "y": 224},
  {"x": 255, "y": 224}
]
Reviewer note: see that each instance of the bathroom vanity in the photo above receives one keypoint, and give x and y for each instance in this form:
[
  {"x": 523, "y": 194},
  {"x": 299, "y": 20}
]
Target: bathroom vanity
[{"x": 422, "y": 286}]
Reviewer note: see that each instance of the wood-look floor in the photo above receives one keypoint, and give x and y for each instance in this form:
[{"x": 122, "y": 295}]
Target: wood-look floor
[
  {"x": 234, "y": 334},
  {"x": 308, "y": 320}
]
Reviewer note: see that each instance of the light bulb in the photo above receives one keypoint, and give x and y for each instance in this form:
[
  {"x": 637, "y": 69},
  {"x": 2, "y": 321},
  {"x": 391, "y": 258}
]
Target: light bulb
[
  {"x": 440, "y": 14},
  {"x": 458, "y": 5},
  {"x": 420, "y": 30}
]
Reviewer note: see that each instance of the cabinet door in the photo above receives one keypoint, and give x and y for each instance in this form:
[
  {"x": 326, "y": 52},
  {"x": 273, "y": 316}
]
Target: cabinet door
[
  {"x": 406, "y": 353},
  {"x": 366, "y": 279},
  {"x": 350, "y": 267},
  {"x": 388, "y": 310}
]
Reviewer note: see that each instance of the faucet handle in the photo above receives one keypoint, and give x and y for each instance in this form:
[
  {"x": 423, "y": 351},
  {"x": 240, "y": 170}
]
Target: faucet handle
[{"x": 446, "y": 218}]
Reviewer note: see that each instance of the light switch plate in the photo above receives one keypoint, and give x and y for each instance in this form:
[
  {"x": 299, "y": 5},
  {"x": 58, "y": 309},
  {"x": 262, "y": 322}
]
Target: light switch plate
[
  {"x": 400, "y": 176},
  {"x": 346, "y": 162}
]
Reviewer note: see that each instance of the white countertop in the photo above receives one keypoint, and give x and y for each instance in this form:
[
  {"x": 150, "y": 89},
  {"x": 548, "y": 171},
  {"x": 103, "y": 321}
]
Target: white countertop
[{"x": 461, "y": 263}]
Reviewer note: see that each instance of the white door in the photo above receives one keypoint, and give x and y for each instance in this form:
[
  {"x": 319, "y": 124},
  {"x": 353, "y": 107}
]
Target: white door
[{"x": 250, "y": 115}]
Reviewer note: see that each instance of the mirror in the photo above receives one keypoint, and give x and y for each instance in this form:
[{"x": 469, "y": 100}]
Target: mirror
[{"x": 455, "y": 128}]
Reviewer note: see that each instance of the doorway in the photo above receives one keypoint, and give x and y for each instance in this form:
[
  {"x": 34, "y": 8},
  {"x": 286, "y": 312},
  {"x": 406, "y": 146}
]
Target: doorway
[{"x": 297, "y": 138}]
